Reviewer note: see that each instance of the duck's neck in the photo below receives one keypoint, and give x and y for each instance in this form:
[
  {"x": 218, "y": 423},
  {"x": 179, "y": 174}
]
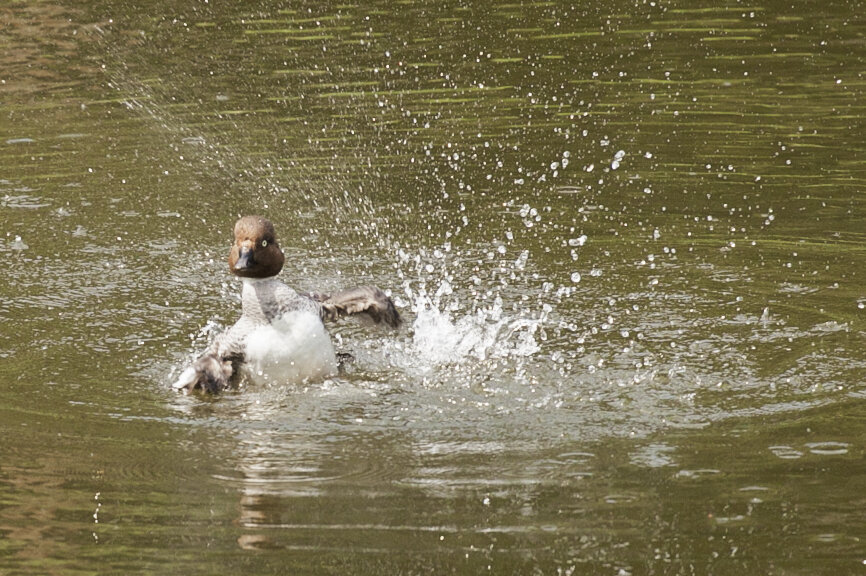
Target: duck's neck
[
  {"x": 257, "y": 297},
  {"x": 254, "y": 281}
]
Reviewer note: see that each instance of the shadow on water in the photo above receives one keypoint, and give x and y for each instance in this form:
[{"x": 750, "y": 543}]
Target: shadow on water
[{"x": 626, "y": 244}]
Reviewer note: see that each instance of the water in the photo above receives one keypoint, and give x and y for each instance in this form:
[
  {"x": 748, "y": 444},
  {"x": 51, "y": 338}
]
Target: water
[{"x": 626, "y": 240}]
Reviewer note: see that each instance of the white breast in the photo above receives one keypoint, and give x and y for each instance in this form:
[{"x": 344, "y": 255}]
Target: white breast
[{"x": 291, "y": 349}]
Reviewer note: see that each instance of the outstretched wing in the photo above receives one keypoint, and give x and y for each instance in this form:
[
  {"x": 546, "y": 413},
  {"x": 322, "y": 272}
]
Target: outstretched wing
[
  {"x": 216, "y": 369},
  {"x": 209, "y": 373},
  {"x": 367, "y": 300}
]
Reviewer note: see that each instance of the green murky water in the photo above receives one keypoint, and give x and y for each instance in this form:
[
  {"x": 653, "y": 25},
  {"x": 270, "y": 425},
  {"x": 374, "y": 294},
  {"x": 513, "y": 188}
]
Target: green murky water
[{"x": 627, "y": 238}]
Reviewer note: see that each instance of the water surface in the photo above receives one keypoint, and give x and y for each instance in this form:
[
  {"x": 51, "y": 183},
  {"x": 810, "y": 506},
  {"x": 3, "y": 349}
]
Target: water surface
[{"x": 627, "y": 241}]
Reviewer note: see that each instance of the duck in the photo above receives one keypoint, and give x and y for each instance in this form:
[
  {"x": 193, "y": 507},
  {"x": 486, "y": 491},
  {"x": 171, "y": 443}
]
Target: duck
[{"x": 281, "y": 334}]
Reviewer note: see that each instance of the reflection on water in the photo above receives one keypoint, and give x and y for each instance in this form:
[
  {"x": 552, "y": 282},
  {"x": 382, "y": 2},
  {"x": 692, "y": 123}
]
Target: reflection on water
[{"x": 626, "y": 243}]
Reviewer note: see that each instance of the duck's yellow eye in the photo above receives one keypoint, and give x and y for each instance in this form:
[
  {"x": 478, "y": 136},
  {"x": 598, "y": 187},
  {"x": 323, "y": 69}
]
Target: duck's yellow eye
[{"x": 264, "y": 243}]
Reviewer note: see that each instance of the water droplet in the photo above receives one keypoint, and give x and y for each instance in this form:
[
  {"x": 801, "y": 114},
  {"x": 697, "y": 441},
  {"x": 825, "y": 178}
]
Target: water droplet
[{"x": 18, "y": 244}]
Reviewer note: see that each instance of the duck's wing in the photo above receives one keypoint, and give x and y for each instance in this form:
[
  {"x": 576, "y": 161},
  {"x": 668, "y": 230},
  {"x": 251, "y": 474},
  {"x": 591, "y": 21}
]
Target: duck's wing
[
  {"x": 209, "y": 373},
  {"x": 367, "y": 300},
  {"x": 213, "y": 371}
]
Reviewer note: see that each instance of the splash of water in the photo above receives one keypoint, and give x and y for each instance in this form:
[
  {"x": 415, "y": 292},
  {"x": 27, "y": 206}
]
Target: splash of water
[{"x": 441, "y": 335}]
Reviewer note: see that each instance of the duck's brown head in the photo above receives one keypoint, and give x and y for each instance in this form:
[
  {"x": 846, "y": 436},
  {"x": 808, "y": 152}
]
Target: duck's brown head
[{"x": 255, "y": 253}]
